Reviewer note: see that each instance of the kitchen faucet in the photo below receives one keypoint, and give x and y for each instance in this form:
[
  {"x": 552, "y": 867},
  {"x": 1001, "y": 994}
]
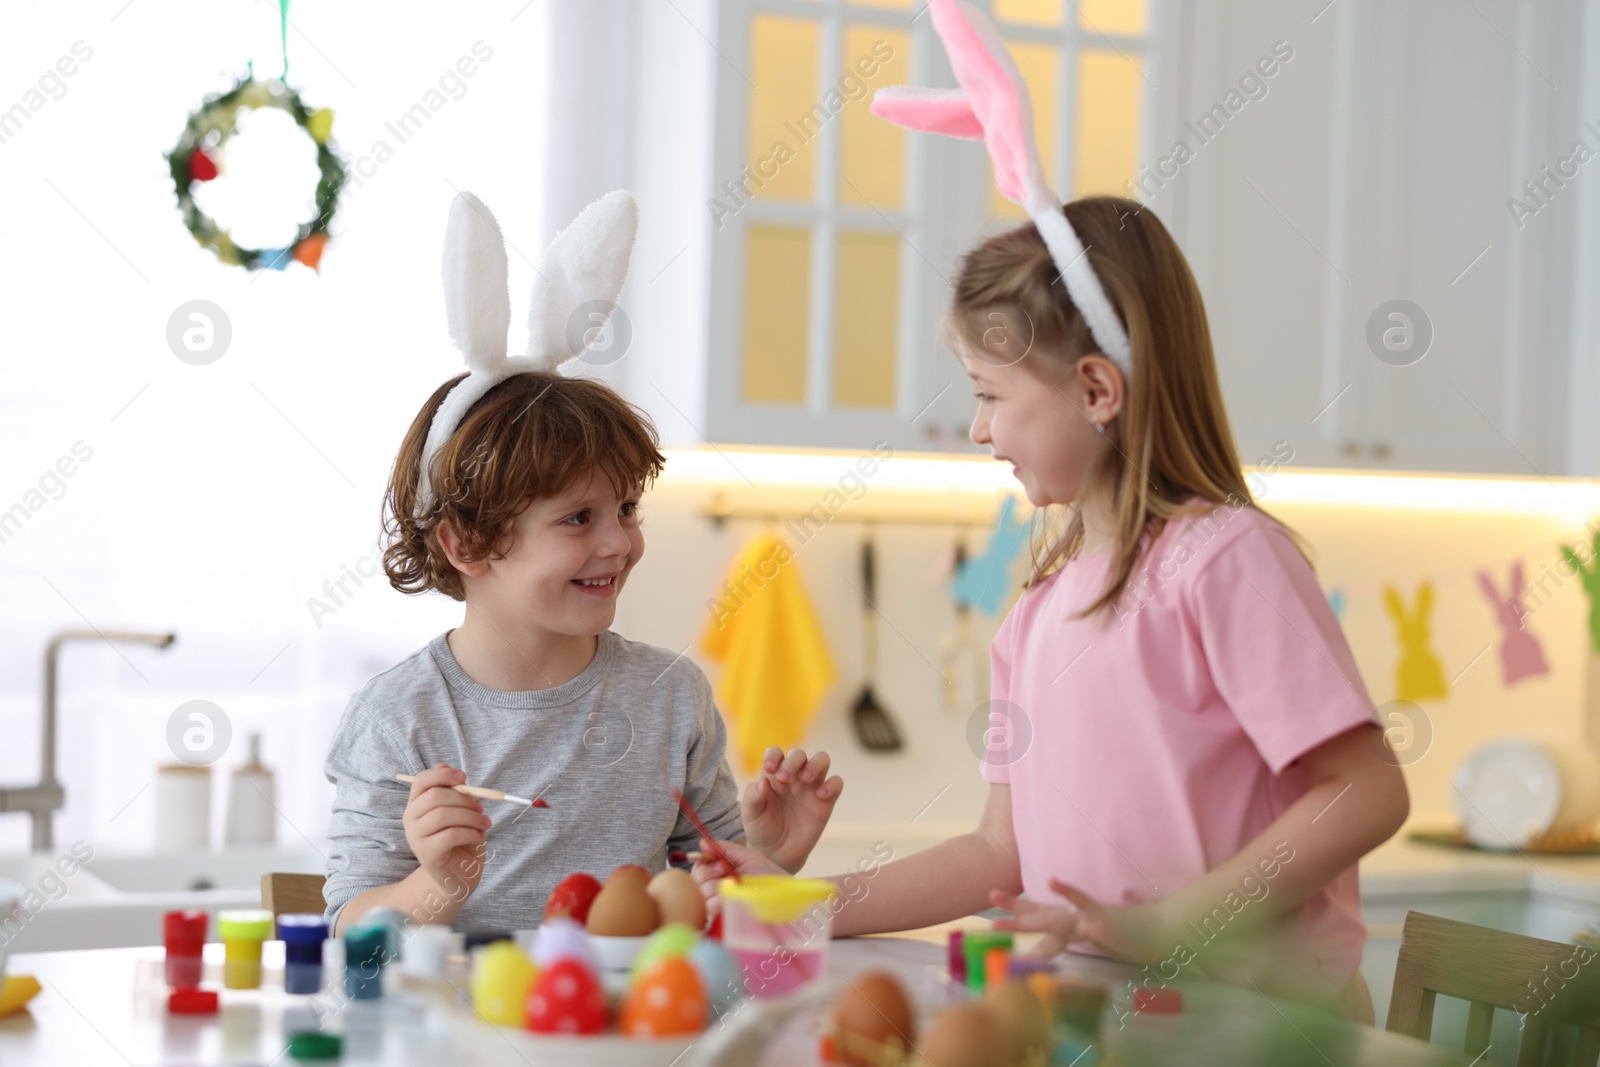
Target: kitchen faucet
[{"x": 41, "y": 800}]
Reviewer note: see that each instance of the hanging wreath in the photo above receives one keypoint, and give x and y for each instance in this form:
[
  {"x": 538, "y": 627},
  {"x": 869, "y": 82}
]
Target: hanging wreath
[{"x": 196, "y": 159}]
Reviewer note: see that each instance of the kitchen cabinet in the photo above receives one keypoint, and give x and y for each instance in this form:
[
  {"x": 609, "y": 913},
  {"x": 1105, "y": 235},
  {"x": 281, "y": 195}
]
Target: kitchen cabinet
[
  {"x": 1385, "y": 163},
  {"x": 797, "y": 301}
]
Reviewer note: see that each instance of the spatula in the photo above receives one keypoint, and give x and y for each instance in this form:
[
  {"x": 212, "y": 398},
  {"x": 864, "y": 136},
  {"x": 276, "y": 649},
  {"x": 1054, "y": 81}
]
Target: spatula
[{"x": 871, "y": 721}]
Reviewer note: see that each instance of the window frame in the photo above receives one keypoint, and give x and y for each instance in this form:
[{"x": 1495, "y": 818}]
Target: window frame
[{"x": 944, "y": 209}]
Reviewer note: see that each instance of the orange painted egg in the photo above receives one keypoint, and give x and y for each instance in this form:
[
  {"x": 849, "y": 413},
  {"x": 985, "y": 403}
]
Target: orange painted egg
[{"x": 668, "y": 1000}]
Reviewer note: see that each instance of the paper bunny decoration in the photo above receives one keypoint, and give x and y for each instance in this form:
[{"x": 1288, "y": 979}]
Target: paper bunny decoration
[
  {"x": 993, "y": 106},
  {"x": 1520, "y": 654},
  {"x": 983, "y": 581},
  {"x": 587, "y": 264},
  {"x": 1418, "y": 675}
]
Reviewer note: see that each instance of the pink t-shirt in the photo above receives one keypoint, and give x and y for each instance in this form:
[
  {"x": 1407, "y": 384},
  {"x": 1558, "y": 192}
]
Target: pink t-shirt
[{"x": 1149, "y": 745}]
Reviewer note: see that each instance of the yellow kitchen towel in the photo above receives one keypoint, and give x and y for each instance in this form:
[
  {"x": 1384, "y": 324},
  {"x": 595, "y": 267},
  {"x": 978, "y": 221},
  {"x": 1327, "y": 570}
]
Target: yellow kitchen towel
[{"x": 775, "y": 662}]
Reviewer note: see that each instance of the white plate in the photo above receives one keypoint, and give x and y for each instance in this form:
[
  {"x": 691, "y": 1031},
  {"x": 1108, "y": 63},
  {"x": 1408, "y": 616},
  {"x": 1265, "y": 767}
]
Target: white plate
[{"x": 1507, "y": 793}]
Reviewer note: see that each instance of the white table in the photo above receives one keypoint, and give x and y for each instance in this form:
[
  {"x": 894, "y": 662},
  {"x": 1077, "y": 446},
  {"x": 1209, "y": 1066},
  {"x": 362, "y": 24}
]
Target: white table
[{"x": 107, "y": 1006}]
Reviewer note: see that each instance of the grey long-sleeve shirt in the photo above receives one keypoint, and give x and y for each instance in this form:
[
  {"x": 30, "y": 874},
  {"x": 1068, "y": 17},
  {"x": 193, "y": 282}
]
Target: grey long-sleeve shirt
[{"x": 604, "y": 750}]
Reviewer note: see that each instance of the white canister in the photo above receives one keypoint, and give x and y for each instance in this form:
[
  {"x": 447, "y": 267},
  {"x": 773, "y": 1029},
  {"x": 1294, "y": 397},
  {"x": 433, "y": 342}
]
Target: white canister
[
  {"x": 183, "y": 807},
  {"x": 252, "y": 817}
]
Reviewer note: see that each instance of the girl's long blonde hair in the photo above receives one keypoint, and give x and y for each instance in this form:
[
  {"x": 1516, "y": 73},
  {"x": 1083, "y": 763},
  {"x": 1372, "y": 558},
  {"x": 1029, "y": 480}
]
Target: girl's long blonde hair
[{"x": 1171, "y": 441}]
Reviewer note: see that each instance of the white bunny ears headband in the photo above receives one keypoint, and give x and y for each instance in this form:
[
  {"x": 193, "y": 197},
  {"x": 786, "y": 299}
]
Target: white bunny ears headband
[
  {"x": 993, "y": 106},
  {"x": 586, "y": 265}
]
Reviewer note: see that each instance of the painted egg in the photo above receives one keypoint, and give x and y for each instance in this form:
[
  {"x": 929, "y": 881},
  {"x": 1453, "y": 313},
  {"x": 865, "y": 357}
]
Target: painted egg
[
  {"x": 679, "y": 897},
  {"x": 667, "y": 1000},
  {"x": 572, "y": 896},
  {"x": 501, "y": 978},
  {"x": 623, "y": 909},
  {"x": 673, "y": 939},
  {"x": 566, "y": 999},
  {"x": 719, "y": 973},
  {"x": 562, "y": 938},
  {"x": 871, "y": 1016},
  {"x": 966, "y": 1035}
]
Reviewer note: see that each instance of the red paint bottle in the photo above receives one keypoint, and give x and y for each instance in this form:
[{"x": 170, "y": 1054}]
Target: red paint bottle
[{"x": 186, "y": 938}]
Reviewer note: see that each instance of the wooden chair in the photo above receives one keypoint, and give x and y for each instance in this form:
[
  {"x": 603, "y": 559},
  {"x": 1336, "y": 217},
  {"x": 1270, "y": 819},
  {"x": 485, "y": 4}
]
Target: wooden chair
[
  {"x": 291, "y": 893},
  {"x": 1545, "y": 981}
]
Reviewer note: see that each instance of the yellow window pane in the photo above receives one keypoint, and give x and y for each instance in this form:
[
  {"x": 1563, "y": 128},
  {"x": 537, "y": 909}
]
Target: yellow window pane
[
  {"x": 1113, "y": 16},
  {"x": 777, "y": 287},
  {"x": 872, "y": 151},
  {"x": 1108, "y": 123},
  {"x": 784, "y": 67},
  {"x": 1040, "y": 67},
  {"x": 866, "y": 315},
  {"x": 1032, "y": 12}
]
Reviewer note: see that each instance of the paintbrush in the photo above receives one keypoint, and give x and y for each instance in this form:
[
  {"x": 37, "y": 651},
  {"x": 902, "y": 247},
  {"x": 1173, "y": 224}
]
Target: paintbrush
[
  {"x": 717, "y": 851},
  {"x": 482, "y": 793},
  {"x": 700, "y": 828}
]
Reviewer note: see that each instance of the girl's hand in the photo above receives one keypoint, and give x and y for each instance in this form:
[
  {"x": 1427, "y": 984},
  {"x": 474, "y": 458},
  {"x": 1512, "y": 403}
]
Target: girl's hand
[
  {"x": 785, "y": 809},
  {"x": 446, "y": 830},
  {"x": 709, "y": 870},
  {"x": 1133, "y": 932}
]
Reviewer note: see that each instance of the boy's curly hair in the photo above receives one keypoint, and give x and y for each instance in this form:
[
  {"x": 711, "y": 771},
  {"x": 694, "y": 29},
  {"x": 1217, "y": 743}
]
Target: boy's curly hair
[{"x": 528, "y": 438}]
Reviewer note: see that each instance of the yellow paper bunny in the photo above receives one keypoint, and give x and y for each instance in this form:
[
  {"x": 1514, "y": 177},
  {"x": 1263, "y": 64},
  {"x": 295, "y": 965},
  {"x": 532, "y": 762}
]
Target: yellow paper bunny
[{"x": 1418, "y": 675}]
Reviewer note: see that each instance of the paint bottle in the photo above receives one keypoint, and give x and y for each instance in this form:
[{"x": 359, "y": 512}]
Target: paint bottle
[
  {"x": 185, "y": 935},
  {"x": 302, "y": 937},
  {"x": 242, "y": 932},
  {"x": 364, "y": 950}
]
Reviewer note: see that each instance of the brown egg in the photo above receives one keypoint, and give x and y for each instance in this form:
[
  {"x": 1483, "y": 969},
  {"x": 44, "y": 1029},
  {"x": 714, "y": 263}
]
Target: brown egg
[
  {"x": 968, "y": 1035},
  {"x": 871, "y": 1014},
  {"x": 631, "y": 870},
  {"x": 1020, "y": 1013},
  {"x": 679, "y": 898},
  {"x": 623, "y": 909}
]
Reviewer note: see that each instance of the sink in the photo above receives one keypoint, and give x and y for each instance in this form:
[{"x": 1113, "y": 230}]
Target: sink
[
  {"x": 236, "y": 868},
  {"x": 116, "y": 900}
]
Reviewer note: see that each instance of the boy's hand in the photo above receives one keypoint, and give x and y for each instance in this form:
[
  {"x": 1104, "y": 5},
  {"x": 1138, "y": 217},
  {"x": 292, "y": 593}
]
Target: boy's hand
[
  {"x": 1129, "y": 931},
  {"x": 785, "y": 809},
  {"x": 446, "y": 829}
]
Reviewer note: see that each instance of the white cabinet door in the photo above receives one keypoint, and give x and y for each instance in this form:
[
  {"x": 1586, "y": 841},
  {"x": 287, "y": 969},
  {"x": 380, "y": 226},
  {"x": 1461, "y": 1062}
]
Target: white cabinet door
[{"x": 1375, "y": 166}]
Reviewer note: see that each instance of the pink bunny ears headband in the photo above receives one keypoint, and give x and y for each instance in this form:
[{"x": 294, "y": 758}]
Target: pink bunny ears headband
[
  {"x": 585, "y": 264},
  {"x": 993, "y": 106}
]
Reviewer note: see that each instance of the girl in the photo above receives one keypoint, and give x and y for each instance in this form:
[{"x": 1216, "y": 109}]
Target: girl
[
  {"x": 517, "y": 491},
  {"x": 1184, "y": 765}
]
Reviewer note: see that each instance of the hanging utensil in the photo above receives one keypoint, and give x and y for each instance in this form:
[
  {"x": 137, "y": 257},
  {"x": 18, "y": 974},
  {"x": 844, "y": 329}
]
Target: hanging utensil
[
  {"x": 871, "y": 721},
  {"x": 959, "y": 661}
]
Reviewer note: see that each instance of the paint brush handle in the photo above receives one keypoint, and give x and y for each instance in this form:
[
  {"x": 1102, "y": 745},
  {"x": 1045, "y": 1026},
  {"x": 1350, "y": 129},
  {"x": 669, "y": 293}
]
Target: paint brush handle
[{"x": 481, "y": 793}]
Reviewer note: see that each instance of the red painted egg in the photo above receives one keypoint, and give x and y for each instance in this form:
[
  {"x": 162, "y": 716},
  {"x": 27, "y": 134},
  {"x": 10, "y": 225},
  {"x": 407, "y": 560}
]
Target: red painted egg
[{"x": 567, "y": 999}]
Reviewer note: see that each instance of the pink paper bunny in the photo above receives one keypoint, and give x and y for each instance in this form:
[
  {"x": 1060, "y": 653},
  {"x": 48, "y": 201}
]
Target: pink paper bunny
[
  {"x": 993, "y": 106},
  {"x": 1520, "y": 654}
]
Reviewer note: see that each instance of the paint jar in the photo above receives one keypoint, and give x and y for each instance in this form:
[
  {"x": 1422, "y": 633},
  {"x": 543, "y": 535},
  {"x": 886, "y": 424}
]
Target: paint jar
[
  {"x": 778, "y": 930},
  {"x": 364, "y": 950},
  {"x": 185, "y": 935},
  {"x": 976, "y": 946},
  {"x": 426, "y": 952},
  {"x": 302, "y": 937},
  {"x": 242, "y": 932}
]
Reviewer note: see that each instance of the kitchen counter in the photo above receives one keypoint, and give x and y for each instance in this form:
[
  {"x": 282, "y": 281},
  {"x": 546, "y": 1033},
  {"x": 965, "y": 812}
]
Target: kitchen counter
[
  {"x": 1404, "y": 867},
  {"x": 105, "y": 1005}
]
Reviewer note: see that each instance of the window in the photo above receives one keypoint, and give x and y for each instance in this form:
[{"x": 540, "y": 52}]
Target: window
[{"x": 835, "y": 230}]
